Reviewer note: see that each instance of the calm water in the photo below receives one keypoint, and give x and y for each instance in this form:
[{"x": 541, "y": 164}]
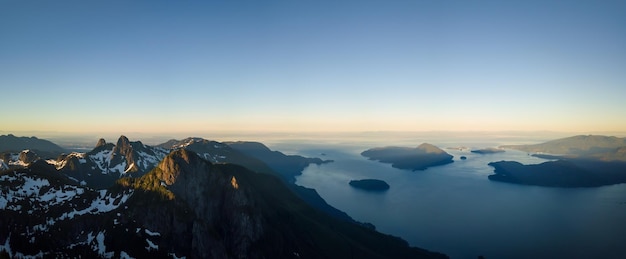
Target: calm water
[{"x": 456, "y": 210}]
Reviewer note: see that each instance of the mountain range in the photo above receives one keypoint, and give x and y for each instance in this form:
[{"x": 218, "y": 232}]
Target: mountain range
[{"x": 191, "y": 198}]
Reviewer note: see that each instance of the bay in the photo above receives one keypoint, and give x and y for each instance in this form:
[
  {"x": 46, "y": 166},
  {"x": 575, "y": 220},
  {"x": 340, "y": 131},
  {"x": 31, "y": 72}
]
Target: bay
[{"x": 456, "y": 210}]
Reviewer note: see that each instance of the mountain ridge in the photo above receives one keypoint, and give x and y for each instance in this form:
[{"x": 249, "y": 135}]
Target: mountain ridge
[{"x": 214, "y": 210}]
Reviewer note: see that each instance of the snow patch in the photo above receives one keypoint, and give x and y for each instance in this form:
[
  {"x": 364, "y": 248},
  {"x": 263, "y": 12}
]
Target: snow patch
[
  {"x": 124, "y": 255},
  {"x": 101, "y": 248},
  {"x": 152, "y": 234},
  {"x": 104, "y": 203},
  {"x": 129, "y": 168},
  {"x": 173, "y": 255},
  {"x": 102, "y": 159},
  {"x": 121, "y": 168},
  {"x": 7, "y": 246},
  {"x": 151, "y": 246}
]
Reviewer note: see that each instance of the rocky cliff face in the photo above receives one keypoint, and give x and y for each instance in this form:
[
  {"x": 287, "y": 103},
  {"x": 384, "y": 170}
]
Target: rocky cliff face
[{"x": 231, "y": 212}]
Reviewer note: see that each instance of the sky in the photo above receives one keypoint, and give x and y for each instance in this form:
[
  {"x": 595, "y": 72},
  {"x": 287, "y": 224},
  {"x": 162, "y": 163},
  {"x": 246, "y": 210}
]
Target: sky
[{"x": 308, "y": 66}]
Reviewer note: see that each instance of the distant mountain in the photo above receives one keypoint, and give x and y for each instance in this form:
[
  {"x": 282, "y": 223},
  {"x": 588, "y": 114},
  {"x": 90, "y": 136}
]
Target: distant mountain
[
  {"x": 44, "y": 148},
  {"x": 419, "y": 158},
  {"x": 579, "y": 146},
  {"x": 288, "y": 166},
  {"x": 216, "y": 152},
  {"x": 184, "y": 207},
  {"x": 20, "y": 159}
]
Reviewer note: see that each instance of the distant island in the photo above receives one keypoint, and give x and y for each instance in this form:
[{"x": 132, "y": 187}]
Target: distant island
[
  {"x": 489, "y": 150},
  {"x": 419, "y": 158},
  {"x": 606, "y": 148},
  {"x": 370, "y": 184},
  {"x": 581, "y": 161}
]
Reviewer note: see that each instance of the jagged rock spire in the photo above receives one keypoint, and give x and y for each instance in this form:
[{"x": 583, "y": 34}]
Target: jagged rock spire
[{"x": 101, "y": 142}]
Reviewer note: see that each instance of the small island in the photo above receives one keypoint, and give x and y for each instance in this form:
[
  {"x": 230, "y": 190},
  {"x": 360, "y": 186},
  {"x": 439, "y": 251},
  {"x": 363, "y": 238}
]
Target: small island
[
  {"x": 370, "y": 184},
  {"x": 488, "y": 150},
  {"x": 463, "y": 157},
  {"x": 419, "y": 158}
]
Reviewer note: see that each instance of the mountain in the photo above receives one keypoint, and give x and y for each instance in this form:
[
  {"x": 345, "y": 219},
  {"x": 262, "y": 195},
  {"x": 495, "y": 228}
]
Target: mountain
[
  {"x": 185, "y": 206},
  {"x": 419, "y": 158},
  {"x": 259, "y": 158},
  {"x": 579, "y": 146},
  {"x": 19, "y": 160},
  {"x": 217, "y": 152},
  {"x": 102, "y": 166},
  {"x": 44, "y": 148},
  {"x": 287, "y": 166}
]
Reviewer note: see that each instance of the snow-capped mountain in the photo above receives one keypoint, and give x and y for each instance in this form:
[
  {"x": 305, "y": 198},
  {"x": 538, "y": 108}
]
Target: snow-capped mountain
[
  {"x": 107, "y": 162},
  {"x": 185, "y": 207},
  {"x": 19, "y": 160}
]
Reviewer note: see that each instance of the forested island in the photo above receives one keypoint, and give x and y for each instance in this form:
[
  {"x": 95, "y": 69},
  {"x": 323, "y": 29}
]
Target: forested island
[{"x": 419, "y": 158}]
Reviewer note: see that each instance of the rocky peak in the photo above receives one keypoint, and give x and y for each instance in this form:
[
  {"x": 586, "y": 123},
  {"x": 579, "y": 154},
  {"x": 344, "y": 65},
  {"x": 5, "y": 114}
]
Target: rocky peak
[
  {"x": 123, "y": 146},
  {"x": 28, "y": 156},
  {"x": 175, "y": 163},
  {"x": 123, "y": 151},
  {"x": 101, "y": 142}
]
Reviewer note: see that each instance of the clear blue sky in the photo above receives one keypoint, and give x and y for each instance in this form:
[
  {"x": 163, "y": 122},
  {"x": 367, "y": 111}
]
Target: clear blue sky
[{"x": 176, "y": 66}]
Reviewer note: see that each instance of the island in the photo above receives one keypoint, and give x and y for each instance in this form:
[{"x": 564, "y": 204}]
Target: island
[
  {"x": 578, "y": 161},
  {"x": 419, "y": 158},
  {"x": 489, "y": 150},
  {"x": 370, "y": 184},
  {"x": 463, "y": 157},
  {"x": 561, "y": 173}
]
